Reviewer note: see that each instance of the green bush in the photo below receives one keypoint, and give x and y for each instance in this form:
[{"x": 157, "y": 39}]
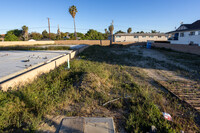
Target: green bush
[
  {"x": 25, "y": 108},
  {"x": 11, "y": 37}
]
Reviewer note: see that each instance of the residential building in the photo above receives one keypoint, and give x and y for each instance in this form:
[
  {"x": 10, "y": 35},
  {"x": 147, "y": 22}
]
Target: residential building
[
  {"x": 188, "y": 34},
  {"x": 140, "y": 37}
]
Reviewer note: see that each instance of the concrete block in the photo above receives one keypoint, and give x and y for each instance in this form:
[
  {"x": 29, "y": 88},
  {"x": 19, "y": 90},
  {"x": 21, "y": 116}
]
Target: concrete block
[{"x": 87, "y": 125}]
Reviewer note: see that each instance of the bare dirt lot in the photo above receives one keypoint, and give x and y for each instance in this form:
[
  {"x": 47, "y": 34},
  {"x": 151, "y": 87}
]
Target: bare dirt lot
[{"x": 177, "y": 72}]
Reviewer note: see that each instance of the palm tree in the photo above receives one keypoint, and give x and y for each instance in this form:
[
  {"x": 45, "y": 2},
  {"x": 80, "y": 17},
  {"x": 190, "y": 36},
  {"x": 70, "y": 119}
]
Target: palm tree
[
  {"x": 129, "y": 30},
  {"x": 73, "y": 11},
  {"x": 106, "y": 31},
  {"x": 25, "y": 32},
  {"x": 111, "y": 29}
]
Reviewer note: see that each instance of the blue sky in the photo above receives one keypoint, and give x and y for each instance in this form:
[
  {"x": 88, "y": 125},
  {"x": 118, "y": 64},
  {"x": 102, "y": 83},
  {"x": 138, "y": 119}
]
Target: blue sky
[{"x": 140, "y": 15}]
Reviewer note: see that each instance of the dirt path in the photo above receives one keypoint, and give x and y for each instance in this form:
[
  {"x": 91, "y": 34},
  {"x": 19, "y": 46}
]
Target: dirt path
[{"x": 185, "y": 88}]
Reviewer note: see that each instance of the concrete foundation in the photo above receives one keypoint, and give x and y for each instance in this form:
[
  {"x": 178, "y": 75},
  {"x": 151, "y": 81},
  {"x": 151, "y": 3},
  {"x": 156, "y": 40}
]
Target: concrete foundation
[{"x": 32, "y": 72}]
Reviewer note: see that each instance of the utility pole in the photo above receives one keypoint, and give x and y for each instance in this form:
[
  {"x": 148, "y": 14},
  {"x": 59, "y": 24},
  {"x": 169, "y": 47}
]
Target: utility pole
[{"x": 49, "y": 29}]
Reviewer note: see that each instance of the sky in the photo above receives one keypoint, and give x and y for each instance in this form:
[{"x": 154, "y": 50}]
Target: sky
[{"x": 140, "y": 15}]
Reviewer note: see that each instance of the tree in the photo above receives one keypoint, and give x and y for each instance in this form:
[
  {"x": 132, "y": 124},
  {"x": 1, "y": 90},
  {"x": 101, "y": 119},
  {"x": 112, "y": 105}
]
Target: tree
[
  {"x": 16, "y": 32},
  {"x": 81, "y": 35},
  {"x": 11, "y": 37},
  {"x": 94, "y": 35},
  {"x": 58, "y": 34},
  {"x": 53, "y": 36},
  {"x": 111, "y": 29},
  {"x": 72, "y": 37},
  {"x": 45, "y": 34},
  {"x": 25, "y": 32},
  {"x": 64, "y": 35},
  {"x": 106, "y": 34},
  {"x": 73, "y": 11},
  {"x": 129, "y": 30},
  {"x": 153, "y": 31},
  {"x": 36, "y": 36},
  {"x": 106, "y": 31},
  {"x": 119, "y": 32}
]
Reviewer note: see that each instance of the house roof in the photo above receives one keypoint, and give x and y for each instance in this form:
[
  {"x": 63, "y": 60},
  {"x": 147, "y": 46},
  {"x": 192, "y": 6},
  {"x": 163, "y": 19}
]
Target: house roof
[
  {"x": 189, "y": 27},
  {"x": 140, "y": 34},
  {"x": 3, "y": 35}
]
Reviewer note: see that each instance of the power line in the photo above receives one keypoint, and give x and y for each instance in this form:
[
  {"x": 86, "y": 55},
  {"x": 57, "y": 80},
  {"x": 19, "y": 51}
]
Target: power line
[{"x": 69, "y": 28}]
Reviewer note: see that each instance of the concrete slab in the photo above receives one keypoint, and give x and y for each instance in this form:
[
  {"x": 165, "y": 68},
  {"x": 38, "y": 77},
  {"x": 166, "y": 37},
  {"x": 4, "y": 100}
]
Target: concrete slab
[
  {"x": 87, "y": 125},
  {"x": 14, "y": 61}
]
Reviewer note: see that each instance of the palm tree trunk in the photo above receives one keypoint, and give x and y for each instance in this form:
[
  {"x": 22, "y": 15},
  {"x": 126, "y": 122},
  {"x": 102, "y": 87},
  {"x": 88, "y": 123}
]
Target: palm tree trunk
[
  {"x": 111, "y": 41},
  {"x": 75, "y": 30}
]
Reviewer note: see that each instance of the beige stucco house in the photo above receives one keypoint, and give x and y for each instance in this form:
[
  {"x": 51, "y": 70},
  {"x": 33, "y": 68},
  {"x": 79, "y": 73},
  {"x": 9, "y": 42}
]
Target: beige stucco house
[{"x": 140, "y": 37}]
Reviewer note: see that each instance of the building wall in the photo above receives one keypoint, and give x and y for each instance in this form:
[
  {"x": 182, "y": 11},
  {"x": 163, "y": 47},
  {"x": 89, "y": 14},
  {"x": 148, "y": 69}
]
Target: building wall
[
  {"x": 12, "y": 43},
  {"x": 139, "y": 39},
  {"x": 180, "y": 48},
  {"x": 187, "y": 39},
  {"x": 88, "y": 42},
  {"x": 64, "y": 42}
]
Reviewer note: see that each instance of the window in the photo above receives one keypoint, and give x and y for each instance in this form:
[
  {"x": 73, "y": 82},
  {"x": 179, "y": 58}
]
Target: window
[
  {"x": 151, "y": 36},
  {"x": 192, "y": 33},
  {"x": 198, "y": 32},
  {"x": 182, "y": 34},
  {"x": 159, "y": 36},
  {"x": 118, "y": 36},
  {"x": 135, "y": 36},
  {"x": 143, "y": 36}
]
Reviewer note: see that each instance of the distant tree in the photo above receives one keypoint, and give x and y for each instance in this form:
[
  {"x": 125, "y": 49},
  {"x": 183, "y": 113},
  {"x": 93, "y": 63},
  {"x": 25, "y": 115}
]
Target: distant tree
[
  {"x": 153, "y": 31},
  {"x": 72, "y": 37},
  {"x": 111, "y": 29},
  {"x": 64, "y": 35},
  {"x": 73, "y": 11},
  {"x": 36, "y": 36},
  {"x": 53, "y": 36},
  {"x": 119, "y": 32},
  {"x": 94, "y": 35},
  {"x": 45, "y": 34},
  {"x": 16, "y": 32},
  {"x": 11, "y": 37},
  {"x": 140, "y": 32},
  {"x": 58, "y": 37},
  {"x": 81, "y": 36},
  {"x": 129, "y": 30},
  {"x": 25, "y": 32},
  {"x": 106, "y": 31},
  {"x": 58, "y": 34}
]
